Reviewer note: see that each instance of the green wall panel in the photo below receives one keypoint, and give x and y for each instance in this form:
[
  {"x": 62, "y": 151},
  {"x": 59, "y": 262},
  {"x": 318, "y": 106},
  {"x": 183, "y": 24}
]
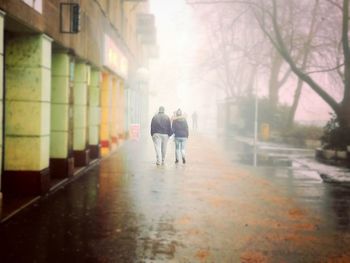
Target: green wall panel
[
  {"x": 1, "y": 93},
  {"x": 59, "y": 117},
  {"x": 60, "y": 65},
  {"x": 81, "y": 72},
  {"x": 81, "y": 75},
  {"x": 1, "y": 34},
  {"x": 60, "y": 106},
  {"x": 95, "y": 78},
  {"x": 1, "y": 73},
  {"x": 94, "y": 135},
  {"x": 1, "y": 119},
  {"x": 60, "y": 89},
  {"x": 80, "y": 117},
  {"x": 59, "y": 145},
  {"x": 94, "y": 96},
  {"x": 46, "y": 52},
  {"x": 94, "y": 116},
  {"x": 79, "y": 141},
  {"x": 80, "y": 93}
]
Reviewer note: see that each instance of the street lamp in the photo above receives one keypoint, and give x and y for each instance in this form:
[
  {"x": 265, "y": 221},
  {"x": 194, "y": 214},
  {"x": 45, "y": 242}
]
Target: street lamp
[
  {"x": 142, "y": 82},
  {"x": 256, "y": 120}
]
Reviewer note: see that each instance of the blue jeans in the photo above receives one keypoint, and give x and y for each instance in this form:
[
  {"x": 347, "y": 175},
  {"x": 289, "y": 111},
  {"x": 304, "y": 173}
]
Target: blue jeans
[{"x": 180, "y": 144}]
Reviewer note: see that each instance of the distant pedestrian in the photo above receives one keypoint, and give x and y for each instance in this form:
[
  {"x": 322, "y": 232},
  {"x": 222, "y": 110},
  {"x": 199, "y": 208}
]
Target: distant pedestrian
[
  {"x": 160, "y": 132},
  {"x": 194, "y": 120},
  {"x": 180, "y": 129}
]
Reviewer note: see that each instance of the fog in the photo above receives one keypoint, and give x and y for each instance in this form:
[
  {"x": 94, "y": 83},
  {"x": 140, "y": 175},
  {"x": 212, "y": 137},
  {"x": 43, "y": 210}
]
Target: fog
[
  {"x": 175, "y": 81},
  {"x": 186, "y": 73}
]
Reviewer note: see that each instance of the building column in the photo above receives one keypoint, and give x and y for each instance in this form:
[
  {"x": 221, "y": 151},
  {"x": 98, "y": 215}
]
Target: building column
[
  {"x": 105, "y": 114},
  {"x": 1, "y": 96},
  {"x": 94, "y": 114},
  {"x": 121, "y": 111},
  {"x": 27, "y": 115},
  {"x": 80, "y": 94},
  {"x": 61, "y": 157},
  {"x": 114, "y": 114}
]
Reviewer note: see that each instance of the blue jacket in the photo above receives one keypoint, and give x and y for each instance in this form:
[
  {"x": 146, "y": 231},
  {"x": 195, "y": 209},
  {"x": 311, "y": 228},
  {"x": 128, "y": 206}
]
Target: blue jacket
[
  {"x": 180, "y": 127},
  {"x": 161, "y": 124}
]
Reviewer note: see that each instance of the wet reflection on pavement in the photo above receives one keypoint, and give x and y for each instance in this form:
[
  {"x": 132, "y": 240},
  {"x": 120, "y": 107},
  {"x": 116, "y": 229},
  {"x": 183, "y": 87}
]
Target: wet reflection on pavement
[{"x": 209, "y": 210}]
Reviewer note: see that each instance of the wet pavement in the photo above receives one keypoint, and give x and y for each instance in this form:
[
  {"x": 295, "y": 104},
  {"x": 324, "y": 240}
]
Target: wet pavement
[{"x": 212, "y": 209}]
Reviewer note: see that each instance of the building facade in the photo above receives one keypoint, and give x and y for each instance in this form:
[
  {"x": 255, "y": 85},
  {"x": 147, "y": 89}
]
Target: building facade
[{"x": 69, "y": 85}]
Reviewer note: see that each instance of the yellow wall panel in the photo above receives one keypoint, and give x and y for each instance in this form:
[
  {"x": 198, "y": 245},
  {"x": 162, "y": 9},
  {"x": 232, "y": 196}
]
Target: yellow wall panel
[
  {"x": 28, "y": 51},
  {"x": 28, "y": 83},
  {"x": 27, "y": 118},
  {"x": 104, "y": 132}
]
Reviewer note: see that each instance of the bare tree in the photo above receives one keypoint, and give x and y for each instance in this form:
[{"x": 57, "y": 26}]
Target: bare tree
[
  {"x": 268, "y": 21},
  {"x": 237, "y": 50},
  {"x": 311, "y": 43},
  {"x": 230, "y": 54}
]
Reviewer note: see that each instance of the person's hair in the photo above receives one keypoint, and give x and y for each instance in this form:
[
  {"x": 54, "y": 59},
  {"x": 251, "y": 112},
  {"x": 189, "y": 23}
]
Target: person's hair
[
  {"x": 161, "y": 109},
  {"x": 178, "y": 112}
]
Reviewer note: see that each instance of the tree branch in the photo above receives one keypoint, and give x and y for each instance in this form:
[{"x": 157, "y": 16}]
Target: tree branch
[
  {"x": 283, "y": 51},
  {"x": 325, "y": 70}
]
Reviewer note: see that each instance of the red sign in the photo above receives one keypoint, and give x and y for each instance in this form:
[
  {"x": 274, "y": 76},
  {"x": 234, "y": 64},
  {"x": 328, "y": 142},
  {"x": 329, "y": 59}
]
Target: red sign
[
  {"x": 135, "y": 131},
  {"x": 114, "y": 58}
]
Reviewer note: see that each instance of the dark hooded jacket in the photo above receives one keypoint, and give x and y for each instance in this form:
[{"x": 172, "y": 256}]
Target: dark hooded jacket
[
  {"x": 180, "y": 127},
  {"x": 161, "y": 124}
]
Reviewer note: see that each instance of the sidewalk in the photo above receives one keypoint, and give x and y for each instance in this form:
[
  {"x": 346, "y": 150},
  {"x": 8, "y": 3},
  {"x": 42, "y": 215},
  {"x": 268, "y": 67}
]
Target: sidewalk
[
  {"x": 12, "y": 205},
  {"x": 127, "y": 209}
]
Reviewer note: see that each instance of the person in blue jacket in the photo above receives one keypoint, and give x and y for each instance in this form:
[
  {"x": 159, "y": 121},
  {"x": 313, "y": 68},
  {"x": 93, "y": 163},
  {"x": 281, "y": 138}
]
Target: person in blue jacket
[
  {"x": 160, "y": 132},
  {"x": 180, "y": 129}
]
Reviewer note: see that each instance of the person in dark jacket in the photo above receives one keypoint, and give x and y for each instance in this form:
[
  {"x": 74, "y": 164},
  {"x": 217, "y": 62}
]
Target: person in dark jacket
[
  {"x": 160, "y": 132},
  {"x": 180, "y": 129}
]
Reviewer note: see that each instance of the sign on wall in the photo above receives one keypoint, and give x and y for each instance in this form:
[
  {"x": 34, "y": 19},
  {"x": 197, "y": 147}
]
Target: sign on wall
[
  {"x": 145, "y": 27},
  {"x": 113, "y": 58},
  {"x": 135, "y": 131}
]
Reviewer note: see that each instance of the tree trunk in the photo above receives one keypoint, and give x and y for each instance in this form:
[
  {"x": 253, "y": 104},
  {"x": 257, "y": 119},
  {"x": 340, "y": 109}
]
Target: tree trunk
[
  {"x": 277, "y": 61},
  {"x": 294, "y": 107},
  {"x": 344, "y": 113}
]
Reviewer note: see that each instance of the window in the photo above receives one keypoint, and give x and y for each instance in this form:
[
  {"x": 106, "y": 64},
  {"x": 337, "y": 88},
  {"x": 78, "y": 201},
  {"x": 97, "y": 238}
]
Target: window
[{"x": 36, "y": 4}]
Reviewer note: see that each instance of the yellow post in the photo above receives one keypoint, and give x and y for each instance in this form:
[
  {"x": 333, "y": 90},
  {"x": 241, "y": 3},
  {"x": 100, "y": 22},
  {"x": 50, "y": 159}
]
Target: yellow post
[
  {"x": 265, "y": 131},
  {"x": 105, "y": 114}
]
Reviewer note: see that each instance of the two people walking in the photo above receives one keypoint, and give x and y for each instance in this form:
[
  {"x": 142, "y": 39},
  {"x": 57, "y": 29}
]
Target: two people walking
[{"x": 162, "y": 128}]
